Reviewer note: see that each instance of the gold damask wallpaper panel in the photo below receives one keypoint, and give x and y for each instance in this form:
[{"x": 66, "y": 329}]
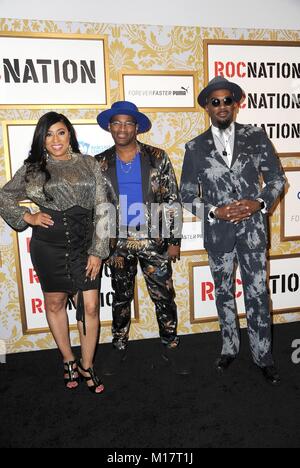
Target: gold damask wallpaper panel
[{"x": 133, "y": 48}]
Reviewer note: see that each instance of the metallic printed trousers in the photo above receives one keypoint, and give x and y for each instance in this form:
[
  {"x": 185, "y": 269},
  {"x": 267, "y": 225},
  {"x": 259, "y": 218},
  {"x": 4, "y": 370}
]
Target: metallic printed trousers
[
  {"x": 157, "y": 270},
  {"x": 253, "y": 268}
]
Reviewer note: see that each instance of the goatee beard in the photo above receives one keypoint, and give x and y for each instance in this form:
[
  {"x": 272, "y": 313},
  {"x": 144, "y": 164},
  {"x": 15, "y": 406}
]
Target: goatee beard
[{"x": 224, "y": 125}]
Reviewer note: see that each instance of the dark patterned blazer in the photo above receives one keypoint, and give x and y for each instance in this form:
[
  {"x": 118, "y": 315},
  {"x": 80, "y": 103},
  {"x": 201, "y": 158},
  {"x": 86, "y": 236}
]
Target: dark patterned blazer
[
  {"x": 255, "y": 172},
  {"x": 160, "y": 192}
]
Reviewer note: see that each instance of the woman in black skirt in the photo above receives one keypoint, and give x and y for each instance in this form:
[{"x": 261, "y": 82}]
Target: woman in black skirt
[{"x": 70, "y": 235}]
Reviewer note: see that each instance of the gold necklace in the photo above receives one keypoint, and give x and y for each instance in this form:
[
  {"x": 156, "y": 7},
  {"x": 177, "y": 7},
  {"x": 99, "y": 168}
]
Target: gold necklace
[{"x": 128, "y": 164}]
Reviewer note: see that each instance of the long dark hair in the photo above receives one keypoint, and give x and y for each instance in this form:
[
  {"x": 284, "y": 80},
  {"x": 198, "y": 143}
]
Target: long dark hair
[{"x": 37, "y": 158}]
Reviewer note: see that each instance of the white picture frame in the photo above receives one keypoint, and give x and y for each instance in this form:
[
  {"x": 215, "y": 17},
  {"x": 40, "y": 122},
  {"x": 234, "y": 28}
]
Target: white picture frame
[
  {"x": 283, "y": 280},
  {"x": 161, "y": 91},
  {"x": 46, "y": 70},
  {"x": 267, "y": 71},
  {"x": 290, "y": 206}
]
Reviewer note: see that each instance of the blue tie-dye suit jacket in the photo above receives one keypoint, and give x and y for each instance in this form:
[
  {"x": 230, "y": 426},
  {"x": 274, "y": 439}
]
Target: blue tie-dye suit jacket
[{"x": 255, "y": 172}]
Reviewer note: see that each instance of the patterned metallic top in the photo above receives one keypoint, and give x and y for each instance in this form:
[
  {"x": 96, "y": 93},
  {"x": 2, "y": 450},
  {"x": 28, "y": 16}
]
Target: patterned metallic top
[{"x": 75, "y": 182}]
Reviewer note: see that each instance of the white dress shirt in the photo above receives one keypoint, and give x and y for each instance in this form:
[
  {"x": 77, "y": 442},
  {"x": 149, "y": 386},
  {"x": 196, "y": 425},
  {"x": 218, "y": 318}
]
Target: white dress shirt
[{"x": 224, "y": 141}]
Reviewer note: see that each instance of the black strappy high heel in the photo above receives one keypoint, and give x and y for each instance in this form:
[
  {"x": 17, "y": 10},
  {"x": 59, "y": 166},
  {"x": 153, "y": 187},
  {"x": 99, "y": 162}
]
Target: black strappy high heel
[
  {"x": 69, "y": 369},
  {"x": 96, "y": 381}
]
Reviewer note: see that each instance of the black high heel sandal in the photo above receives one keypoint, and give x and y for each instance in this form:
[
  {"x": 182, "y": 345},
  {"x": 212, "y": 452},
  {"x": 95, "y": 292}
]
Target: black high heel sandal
[
  {"x": 69, "y": 369},
  {"x": 96, "y": 381}
]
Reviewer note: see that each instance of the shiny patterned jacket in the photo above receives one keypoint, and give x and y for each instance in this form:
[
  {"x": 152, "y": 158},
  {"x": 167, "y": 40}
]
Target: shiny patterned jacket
[
  {"x": 205, "y": 171},
  {"x": 75, "y": 182},
  {"x": 160, "y": 193}
]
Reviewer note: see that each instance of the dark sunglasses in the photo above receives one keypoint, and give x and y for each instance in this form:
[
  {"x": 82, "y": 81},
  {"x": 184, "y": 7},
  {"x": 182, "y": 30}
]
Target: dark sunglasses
[{"x": 216, "y": 102}]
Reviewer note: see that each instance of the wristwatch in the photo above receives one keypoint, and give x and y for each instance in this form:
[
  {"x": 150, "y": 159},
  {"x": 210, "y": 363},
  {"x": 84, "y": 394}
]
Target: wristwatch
[
  {"x": 212, "y": 214},
  {"x": 262, "y": 204}
]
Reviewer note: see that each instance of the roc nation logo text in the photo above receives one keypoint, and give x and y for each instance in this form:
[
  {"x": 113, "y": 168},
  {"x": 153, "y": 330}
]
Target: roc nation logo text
[{"x": 48, "y": 71}]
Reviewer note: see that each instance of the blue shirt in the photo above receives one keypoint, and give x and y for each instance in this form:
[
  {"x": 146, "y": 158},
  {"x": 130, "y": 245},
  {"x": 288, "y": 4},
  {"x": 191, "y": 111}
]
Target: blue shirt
[{"x": 131, "y": 192}]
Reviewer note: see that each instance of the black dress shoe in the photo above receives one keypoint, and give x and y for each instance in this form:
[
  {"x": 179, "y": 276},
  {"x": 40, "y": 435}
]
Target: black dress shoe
[
  {"x": 177, "y": 359},
  {"x": 271, "y": 375},
  {"x": 113, "y": 363},
  {"x": 224, "y": 362}
]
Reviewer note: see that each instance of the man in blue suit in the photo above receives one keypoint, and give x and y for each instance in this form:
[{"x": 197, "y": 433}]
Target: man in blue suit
[{"x": 228, "y": 162}]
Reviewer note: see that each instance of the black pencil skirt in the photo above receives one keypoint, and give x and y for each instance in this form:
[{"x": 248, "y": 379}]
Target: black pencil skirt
[{"x": 59, "y": 254}]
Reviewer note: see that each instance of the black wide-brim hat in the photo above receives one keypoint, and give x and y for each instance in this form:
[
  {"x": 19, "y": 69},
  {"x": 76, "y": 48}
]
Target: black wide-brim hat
[
  {"x": 219, "y": 82},
  {"x": 124, "y": 108}
]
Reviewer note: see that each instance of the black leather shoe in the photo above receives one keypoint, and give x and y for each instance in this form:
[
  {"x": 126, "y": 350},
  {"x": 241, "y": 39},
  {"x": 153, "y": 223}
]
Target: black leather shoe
[
  {"x": 271, "y": 375},
  {"x": 176, "y": 359},
  {"x": 224, "y": 362},
  {"x": 114, "y": 361}
]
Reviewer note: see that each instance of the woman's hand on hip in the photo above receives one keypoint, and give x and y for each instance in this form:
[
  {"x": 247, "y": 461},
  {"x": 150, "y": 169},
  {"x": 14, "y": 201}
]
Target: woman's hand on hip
[{"x": 38, "y": 219}]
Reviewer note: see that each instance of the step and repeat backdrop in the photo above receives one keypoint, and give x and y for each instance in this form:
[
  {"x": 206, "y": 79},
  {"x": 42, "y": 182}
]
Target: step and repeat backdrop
[{"x": 80, "y": 69}]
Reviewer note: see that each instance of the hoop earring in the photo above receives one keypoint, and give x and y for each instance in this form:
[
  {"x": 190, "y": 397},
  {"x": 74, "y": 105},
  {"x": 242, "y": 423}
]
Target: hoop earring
[
  {"x": 70, "y": 152},
  {"x": 46, "y": 155}
]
